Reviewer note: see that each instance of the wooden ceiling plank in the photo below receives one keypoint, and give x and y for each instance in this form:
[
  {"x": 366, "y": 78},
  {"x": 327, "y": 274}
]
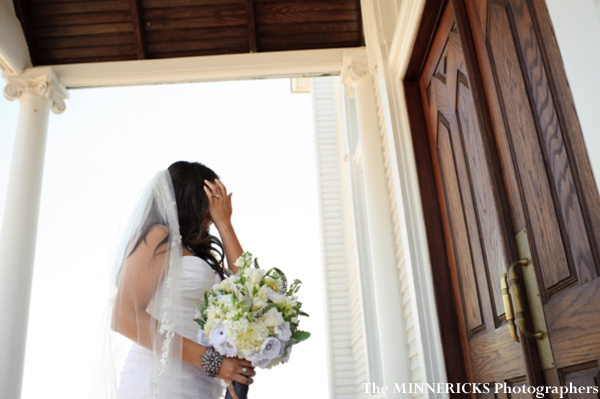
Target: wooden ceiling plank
[
  {"x": 195, "y": 34},
  {"x": 275, "y": 48},
  {"x": 312, "y": 27},
  {"x": 138, "y": 31},
  {"x": 229, "y": 13},
  {"x": 193, "y": 45},
  {"x": 284, "y": 12},
  {"x": 192, "y": 23},
  {"x": 81, "y": 19},
  {"x": 80, "y": 52},
  {"x": 148, "y": 4},
  {"x": 82, "y": 30},
  {"x": 309, "y": 39},
  {"x": 53, "y": 1},
  {"x": 87, "y": 60},
  {"x": 251, "y": 26},
  {"x": 345, "y": 3},
  {"x": 201, "y": 53},
  {"x": 40, "y": 10},
  {"x": 83, "y": 41}
]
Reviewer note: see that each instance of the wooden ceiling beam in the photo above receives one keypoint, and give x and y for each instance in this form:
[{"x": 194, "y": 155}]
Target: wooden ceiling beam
[
  {"x": 251, "y": 26},
  {"x": 138, "y": 30}
]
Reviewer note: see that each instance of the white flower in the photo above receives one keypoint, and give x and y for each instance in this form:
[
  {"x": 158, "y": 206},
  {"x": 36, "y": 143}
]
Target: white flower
[
  {"x": 201, "y": 337},
  {"x": 218, "y": 334},
  {"x": 244, "y": 260},
  {"x": 275, "y": 297},
  {"x": 273, "y": 318},
  {"x": 270, "y": 348},
  {"x": 259, "y": 361},
  {"x": 283, "y": 331},
  {"x": 274, "y": 283},
  {"x": 261, "y": 297},
  {"x": 256, "y": 275},
  {"x": 226, "y": 284},
  {"x": 227, "y": 348}
]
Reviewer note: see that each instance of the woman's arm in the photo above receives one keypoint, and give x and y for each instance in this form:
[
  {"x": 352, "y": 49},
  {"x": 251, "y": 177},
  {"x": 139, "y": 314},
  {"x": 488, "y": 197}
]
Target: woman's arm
[
  {"x": 220, "y": 210},
  {"x": 142, "y": 273},
  {"x": 140, "y": 277}
]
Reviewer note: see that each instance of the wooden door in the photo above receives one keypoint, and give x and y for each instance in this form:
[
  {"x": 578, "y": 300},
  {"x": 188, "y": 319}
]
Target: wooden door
[{"x": 508, "y": 157}]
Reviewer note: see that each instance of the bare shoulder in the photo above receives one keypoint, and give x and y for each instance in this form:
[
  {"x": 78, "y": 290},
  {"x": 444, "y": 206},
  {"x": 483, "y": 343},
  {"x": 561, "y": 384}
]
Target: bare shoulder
[
  {"x": 156, "y": 235},
  {"x": 153, "y": 240}
]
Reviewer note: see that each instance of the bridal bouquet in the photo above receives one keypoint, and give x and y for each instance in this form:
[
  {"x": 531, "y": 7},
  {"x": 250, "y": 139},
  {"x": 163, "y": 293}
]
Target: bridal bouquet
[{"x": 252, "y": 315}]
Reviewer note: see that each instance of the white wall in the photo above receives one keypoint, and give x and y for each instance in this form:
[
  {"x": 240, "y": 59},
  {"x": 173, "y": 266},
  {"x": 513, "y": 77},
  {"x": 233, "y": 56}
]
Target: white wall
[{"x": 577, "y": 28}]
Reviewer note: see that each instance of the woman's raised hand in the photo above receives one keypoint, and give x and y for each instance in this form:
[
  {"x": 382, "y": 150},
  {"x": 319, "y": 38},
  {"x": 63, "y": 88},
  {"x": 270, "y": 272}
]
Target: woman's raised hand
[
  {"x": 233, "y": 369},
  {"x": 219, "y": 207}
]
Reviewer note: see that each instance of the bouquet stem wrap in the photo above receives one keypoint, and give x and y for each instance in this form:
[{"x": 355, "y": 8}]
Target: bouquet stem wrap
[{"x": 241, "y": 390}]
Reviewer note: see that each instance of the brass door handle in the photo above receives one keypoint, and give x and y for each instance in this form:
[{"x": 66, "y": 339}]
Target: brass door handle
[
  {"x": 519, "y": 300},
  {"x": 508, "y": 309}
]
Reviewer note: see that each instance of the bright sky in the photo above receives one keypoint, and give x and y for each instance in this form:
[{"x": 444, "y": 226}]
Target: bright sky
[{"x": 256, "y": 135}]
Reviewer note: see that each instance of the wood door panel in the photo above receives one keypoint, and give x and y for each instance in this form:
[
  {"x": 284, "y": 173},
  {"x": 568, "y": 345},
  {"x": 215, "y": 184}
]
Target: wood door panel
[
  {"x": 584, "y": 377},
  {"x": 581, "y": 168},
  {"x": 572, "y": 317},
  {"x": 495, "y": 358},
  {"x": 537, "y": 195},
  {"x": 552, "y": 143},
  {"x": 465, "y": 256},
  {"x": 487, "y": 207},
  {"x": 478, "y": 17},
  {"x": 517, "y": 389}
]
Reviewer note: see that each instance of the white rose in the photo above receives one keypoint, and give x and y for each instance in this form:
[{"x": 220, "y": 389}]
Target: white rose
[
  {"x": 270, "y": 348},
  {"x": 258, "y": 360},
  {"x": 273, "y": 318},
  {"x": 227, "y": 348},
  {"x": 283, "y": 331},
  {"x": 218, "y": 334}
]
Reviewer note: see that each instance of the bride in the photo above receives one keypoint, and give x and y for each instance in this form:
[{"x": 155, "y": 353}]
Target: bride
[{"x": 168, "y": 260}]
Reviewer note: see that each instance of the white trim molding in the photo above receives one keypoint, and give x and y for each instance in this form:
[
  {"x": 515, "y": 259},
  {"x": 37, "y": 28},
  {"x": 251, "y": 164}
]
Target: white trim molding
[{"x": 304, "y": 63}]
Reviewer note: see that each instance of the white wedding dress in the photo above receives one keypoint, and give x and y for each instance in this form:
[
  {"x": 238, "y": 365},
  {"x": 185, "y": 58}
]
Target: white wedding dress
[{"x": 136, "y": 377}]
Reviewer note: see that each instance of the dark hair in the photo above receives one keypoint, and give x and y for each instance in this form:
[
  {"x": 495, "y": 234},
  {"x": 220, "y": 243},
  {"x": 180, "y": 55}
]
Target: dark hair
[{"x": 192, "y": 209}]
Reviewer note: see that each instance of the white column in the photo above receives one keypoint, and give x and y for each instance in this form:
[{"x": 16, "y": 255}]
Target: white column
[
  {"x": 391, "y": 329},
  {"x": 38, "y": 91}
]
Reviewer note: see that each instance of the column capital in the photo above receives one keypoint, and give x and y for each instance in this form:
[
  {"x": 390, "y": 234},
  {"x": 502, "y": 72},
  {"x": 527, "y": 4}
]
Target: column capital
[
  {"x": 36, "y": 82},
  {"x": 354, "y": 67}
]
